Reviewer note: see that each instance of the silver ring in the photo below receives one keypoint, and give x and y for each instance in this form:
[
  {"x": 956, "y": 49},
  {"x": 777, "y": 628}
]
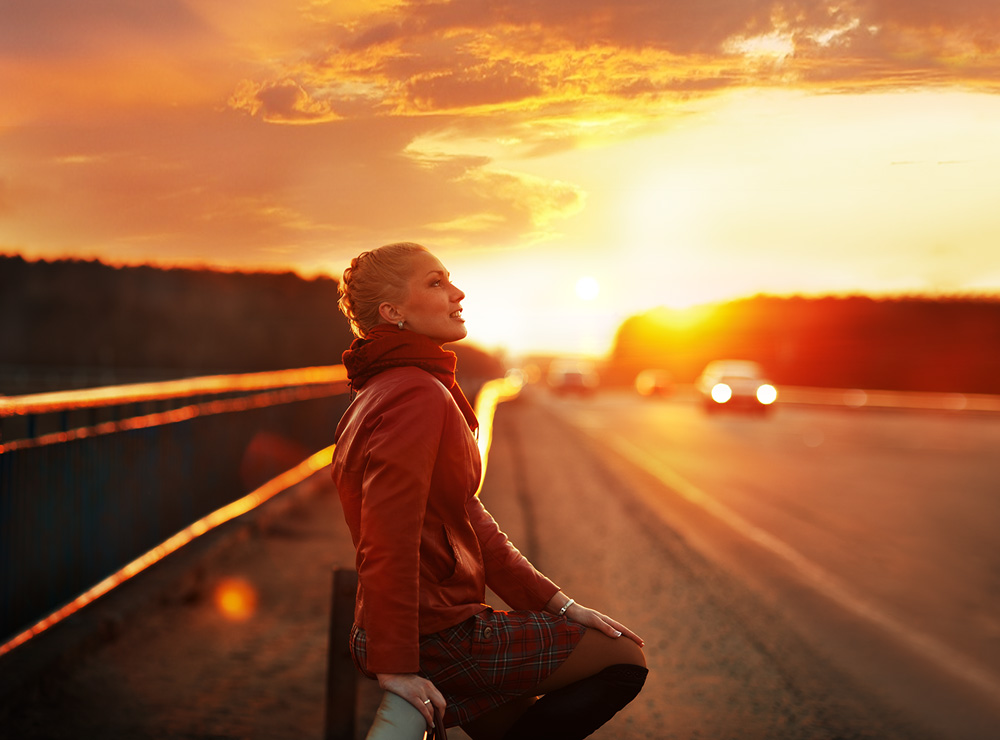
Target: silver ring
[{"x": 427, "y": 701}]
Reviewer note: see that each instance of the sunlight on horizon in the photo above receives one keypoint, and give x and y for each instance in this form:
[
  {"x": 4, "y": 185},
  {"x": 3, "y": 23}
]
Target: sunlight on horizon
[{"x": 779, "y": 193}]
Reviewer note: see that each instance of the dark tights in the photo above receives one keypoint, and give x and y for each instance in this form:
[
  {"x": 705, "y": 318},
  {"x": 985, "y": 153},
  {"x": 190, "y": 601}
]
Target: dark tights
[{"x": 600, "y": 676}]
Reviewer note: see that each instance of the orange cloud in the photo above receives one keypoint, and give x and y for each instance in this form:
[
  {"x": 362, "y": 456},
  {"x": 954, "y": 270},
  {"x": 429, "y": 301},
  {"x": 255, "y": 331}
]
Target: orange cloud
[{"x": 563, "y": 59}]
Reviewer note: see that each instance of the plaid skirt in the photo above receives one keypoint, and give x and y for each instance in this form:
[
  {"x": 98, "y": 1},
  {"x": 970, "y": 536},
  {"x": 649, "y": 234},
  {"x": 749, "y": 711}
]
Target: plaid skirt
[{"x": 489, "y": 659}]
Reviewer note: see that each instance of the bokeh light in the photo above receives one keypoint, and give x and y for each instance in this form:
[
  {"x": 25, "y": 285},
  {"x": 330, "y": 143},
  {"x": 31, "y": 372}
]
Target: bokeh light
[{"x": 236, "y": 599}]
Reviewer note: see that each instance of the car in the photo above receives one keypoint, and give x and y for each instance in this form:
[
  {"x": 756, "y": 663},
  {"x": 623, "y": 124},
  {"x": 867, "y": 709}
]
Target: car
[
  {"x": 735, "y": 384},
  {"x": 654, "y": 382},
  {"x": 572, "y": 377}
]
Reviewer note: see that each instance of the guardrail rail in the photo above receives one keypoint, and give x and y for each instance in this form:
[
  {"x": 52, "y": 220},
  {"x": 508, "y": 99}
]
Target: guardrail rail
[{"x": 99, "y": 482}]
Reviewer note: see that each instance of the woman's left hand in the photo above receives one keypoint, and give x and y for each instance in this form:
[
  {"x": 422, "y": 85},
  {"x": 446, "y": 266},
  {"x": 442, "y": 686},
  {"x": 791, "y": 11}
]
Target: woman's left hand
[{"x": 601, "y": 622}]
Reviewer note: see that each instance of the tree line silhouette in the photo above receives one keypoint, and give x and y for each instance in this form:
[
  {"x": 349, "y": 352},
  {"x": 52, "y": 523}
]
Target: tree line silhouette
[
  {"x": 910, "y": 343},
  {"x": 71, "y": 313},
  {"x": 147, "y": 323}
]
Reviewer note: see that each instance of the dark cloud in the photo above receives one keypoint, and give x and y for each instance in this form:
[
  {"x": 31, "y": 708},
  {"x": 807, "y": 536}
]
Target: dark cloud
[
  {"x": 959, "y": 14},
  {"x": 483, "y": 85},
  {"x": 382, "y": 33},
  {"x": 67, "y": 28},
  {"x": 281, "y": 102},
  {"x": 861, "y": 40},
  {"x": 682, "y": 26}
]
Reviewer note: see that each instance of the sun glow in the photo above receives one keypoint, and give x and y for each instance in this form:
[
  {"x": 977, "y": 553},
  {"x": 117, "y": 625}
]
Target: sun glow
[{"x": 587, "y": 288}]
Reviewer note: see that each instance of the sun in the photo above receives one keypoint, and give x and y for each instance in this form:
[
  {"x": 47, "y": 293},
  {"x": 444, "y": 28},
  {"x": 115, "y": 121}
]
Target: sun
[{"x": 587, "y": 288}]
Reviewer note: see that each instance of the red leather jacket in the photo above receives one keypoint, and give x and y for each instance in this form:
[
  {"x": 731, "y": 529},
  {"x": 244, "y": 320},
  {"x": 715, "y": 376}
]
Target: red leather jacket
[{"x": 407, "y": 468}]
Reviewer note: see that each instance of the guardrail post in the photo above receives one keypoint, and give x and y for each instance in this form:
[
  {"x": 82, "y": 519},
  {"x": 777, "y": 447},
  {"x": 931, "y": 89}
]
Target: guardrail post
[{"x": 342, "y": 676}]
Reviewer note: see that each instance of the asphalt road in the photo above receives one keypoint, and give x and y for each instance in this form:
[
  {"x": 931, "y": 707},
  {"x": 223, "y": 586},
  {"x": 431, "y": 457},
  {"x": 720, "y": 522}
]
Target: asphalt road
[{"x": 870, "y": 534}]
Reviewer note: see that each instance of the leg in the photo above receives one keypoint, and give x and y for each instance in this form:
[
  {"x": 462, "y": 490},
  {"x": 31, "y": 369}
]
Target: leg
[
  {"x": 494, "y": 725},
  {"x": 595, "y": 652},
  {"x": 600, "y": 677}
]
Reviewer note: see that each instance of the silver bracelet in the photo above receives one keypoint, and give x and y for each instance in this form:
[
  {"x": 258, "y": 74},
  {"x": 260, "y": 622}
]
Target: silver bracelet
[{"x": 565, "y": 606}]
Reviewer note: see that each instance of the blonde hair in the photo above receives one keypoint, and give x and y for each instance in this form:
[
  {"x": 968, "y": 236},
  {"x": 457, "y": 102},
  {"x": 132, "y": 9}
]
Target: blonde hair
[{"x": 374, "y": 277}]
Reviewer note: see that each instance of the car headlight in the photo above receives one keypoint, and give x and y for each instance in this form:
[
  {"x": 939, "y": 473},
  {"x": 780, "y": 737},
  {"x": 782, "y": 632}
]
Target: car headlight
[
  {"x": 721, "y": 392},
  {"x": 767, "y": 394}
]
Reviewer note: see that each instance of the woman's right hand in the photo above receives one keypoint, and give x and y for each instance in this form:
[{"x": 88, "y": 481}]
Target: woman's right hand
[{"x": 417, "y": 690}]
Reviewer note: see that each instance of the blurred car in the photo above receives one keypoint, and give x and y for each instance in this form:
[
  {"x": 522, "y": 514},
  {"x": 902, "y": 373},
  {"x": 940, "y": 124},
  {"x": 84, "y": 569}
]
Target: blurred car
[
  {"x": 654, "y": 382},
  {"x": 572, "y": 377},
  {"x": 735, "y": 384}
]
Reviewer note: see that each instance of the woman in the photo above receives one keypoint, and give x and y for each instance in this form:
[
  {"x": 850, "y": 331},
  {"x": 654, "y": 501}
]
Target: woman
[{"x": 407, "y": 467}]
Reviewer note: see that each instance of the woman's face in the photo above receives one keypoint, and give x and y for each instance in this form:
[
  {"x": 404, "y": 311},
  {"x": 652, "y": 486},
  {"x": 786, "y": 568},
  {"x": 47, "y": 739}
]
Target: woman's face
[{"x": 432, "y": 306}]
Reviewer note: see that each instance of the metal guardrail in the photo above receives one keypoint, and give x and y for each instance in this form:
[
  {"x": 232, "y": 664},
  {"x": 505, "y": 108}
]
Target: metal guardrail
[
  {"x": 98, "y": 482},
  {"x": 857, "y": 398}
]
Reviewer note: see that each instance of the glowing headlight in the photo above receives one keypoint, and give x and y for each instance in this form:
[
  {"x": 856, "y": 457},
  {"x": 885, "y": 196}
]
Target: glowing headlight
[
  {"x": 767, "y": 394},
  {"x": 721, "y": 392}
]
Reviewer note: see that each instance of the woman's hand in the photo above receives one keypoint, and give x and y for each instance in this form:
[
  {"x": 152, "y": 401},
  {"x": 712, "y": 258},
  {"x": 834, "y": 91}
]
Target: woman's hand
[
  {"x": 416, "y": 690},
  {"x": 592, "y": 619}
]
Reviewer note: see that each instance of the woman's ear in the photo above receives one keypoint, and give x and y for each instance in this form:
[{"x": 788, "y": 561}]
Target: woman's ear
[{"x": 389, "y": 313}]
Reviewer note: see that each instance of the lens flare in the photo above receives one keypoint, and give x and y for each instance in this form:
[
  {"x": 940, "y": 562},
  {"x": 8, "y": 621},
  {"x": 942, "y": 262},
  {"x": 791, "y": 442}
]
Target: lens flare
[{"x": 236, "y": 599}]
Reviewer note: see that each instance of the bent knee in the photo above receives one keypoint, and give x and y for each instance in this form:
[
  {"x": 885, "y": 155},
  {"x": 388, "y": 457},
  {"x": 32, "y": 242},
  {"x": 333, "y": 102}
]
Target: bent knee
[
  {"x": 595, "y": 652},
  {"x": 631, "y": 652},
  {"x": 614, "y": 650}
]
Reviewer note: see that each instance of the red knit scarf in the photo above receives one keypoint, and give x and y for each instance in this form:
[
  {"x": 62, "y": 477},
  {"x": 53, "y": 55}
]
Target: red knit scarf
[{"x": 387, "y": 346}]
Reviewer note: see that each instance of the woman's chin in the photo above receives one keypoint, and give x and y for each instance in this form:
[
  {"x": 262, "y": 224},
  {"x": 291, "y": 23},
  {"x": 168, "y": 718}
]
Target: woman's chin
[{"x": 458, "y": 336}]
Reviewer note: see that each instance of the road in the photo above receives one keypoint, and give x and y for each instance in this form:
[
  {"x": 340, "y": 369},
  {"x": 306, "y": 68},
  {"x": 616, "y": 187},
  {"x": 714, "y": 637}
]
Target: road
[{"x": 871, "y": 534}]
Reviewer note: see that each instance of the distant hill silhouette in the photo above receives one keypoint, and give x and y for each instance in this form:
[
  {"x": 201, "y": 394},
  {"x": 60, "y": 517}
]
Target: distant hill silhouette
[
  {"x": 85, "y": 323},
  {"x": 912, "y": 343}
]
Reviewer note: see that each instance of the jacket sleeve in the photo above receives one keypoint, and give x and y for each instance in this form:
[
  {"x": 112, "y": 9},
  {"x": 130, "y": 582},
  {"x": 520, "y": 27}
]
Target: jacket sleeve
[
  {"x": 402, "y": 448},
  {"x": 508, "y": 572}
]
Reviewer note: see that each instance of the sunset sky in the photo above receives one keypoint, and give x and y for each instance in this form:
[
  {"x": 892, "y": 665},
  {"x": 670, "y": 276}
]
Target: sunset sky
[{"x": 672, "y": 151}]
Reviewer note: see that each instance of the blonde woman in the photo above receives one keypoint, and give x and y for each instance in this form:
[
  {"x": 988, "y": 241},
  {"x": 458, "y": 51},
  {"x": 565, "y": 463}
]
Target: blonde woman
[{"x": 407, "y": 467}]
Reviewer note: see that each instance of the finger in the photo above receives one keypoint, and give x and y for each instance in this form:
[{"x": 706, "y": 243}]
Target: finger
[
  {"x": 418, "y": 698},
  {"x": 605, "y": 625},
  {"x": 438, "y": 699},
  {"x": 426, "y": 708},
  {"x": 633, "y": 637},
  {"x": 622, "y": 630},
  {"x": 438, "y": 704}
]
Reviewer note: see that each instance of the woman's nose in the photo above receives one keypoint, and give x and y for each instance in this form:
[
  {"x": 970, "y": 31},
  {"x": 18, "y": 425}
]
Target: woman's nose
[{"x": 457, "y": 293}]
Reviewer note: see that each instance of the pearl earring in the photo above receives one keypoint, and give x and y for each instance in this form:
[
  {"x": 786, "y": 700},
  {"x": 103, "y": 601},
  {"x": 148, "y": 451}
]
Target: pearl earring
[{"x": 400, "y": 323}]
